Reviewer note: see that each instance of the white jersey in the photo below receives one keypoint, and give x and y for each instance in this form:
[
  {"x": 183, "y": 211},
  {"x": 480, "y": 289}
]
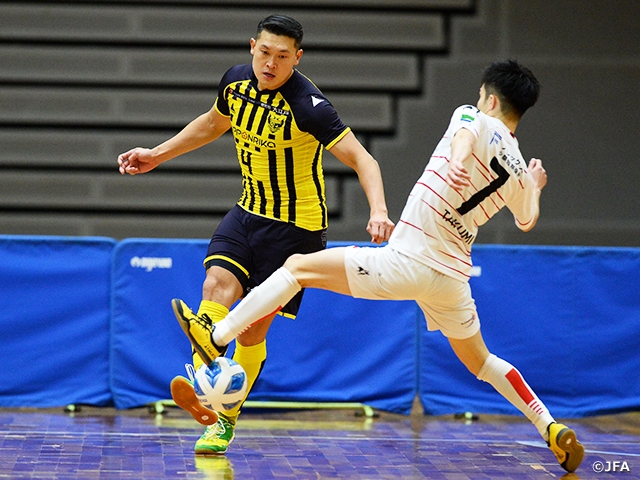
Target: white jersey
[{"x": 439, "y": 224}]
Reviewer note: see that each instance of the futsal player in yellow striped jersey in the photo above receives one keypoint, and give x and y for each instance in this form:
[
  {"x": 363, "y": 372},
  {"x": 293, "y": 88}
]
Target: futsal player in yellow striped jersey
[{"x": 281, "y": 123}]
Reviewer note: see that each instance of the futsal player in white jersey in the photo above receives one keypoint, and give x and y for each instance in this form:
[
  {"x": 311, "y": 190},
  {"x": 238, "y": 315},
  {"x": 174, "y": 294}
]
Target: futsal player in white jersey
[{"x": 475, "y": 170}]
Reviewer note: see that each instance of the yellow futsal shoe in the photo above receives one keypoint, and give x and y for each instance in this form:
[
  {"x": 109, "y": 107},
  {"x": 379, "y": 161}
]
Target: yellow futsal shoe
[
  {"x": 185, "y": 397},
  {"x": 565, "y": 446},
  {"x": 198, "y": 329},
  {"x": 216, "y": 438}
]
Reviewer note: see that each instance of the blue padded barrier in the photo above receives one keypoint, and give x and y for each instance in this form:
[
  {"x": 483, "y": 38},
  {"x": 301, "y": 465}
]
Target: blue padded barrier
[
  {"x": 98, "y": 312},
  {"x": 341, "y": 349},
  {"x": 148, "y": 347},
  {"x": 54, "y": 321},
  {"x": 567, "y": 317},
  {"x": 332, "y": 352}
]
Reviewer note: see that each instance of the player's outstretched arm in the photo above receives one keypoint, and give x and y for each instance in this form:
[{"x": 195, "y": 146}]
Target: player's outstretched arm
[
  {"x": 200, "y": 131},
  {"x": 539, "y": 175},
  {"x": 351, "y": 152},
  {"x": 461, "y": 149}
]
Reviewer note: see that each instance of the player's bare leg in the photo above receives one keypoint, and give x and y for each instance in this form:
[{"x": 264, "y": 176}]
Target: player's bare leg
[
  {"x": 221, "y": 286},
  {"x": 324, "y": 269},
  {"x": 472, "y": 352},
  {"x": 508, "y": 381}
]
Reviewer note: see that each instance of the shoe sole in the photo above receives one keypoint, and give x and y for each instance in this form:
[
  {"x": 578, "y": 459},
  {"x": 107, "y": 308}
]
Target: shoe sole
[
  {"x": 568, "y": 442},
  {"x": 185, "y": 397},
  {"x": 184, "y": 324},
  {"x": 200, "y": 451},
  {"x": 207, "y": 451}
]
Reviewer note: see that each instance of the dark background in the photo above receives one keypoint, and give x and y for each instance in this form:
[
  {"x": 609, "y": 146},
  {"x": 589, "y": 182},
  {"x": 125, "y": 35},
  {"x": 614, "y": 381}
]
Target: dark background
[{"x": 81, "y": 82}]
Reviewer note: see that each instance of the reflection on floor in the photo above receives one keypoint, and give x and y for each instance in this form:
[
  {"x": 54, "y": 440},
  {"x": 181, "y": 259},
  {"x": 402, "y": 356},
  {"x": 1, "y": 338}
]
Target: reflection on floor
[{"x": 97, "y": 443}]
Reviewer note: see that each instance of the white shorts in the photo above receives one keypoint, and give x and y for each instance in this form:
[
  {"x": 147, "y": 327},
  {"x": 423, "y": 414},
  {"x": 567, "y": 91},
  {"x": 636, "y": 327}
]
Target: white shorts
[{"x": 385, "y": 274}]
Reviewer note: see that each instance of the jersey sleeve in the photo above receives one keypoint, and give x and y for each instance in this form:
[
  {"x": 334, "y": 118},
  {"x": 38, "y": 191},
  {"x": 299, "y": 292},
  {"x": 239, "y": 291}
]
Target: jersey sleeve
[
  {"x": 321, "y": 120},
  {"x": 467, "y": 117},
  {"x": 221, "y": 104}
]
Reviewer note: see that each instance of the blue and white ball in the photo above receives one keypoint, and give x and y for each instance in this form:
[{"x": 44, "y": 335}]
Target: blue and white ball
[{"x": 222, "y": 385}]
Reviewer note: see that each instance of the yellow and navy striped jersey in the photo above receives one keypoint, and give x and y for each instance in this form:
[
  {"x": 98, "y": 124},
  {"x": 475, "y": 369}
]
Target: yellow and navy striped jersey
[{"x": 279, "y": 136}]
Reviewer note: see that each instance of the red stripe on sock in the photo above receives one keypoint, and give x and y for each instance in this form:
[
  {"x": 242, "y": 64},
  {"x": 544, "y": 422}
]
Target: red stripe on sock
[
  {"x": 267, "y": 316},
  {"x": 516, "y": 381}
]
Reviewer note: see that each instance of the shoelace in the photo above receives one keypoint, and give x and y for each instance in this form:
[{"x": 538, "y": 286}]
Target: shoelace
[
  {"x": 212, "y": 431},
  {"x": 191, "y": 372},
  {"x": 204, "y": 320}
]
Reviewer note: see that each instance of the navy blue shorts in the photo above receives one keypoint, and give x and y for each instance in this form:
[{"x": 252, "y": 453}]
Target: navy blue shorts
[{"x": 253, "y": 247}]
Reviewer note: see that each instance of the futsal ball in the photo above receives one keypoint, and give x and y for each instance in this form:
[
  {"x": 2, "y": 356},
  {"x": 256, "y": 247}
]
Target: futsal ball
[{"x": 222, "y": 385}]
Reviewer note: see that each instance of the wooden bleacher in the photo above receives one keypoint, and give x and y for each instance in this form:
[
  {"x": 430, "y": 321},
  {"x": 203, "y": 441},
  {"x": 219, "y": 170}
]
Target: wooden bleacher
[{"x": 82, "y": 82}]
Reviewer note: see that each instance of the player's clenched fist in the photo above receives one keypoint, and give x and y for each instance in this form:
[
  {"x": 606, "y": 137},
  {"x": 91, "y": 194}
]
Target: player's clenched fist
[
  {"x": 380, "y": 228},
  {"x": 136, "y": 160},
  {"x": 538, "y": 173}
]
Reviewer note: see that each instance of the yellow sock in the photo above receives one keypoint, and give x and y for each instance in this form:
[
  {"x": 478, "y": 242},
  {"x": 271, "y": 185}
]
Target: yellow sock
[
  {"x": 216, "y": 312},
  {"x": 252, "y": 360}
]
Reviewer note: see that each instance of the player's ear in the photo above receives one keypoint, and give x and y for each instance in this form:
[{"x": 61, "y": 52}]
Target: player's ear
[
  {"x": 252, "y": 42},
  {"x": 299, "y": 55},
  {"x": 494, "y": 102}
]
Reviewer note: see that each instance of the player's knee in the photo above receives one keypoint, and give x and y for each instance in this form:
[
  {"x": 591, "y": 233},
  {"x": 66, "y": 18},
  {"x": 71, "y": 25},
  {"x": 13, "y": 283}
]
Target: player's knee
[
  {"x": 294, "y": 264},
  {"x": 210, "y": 284},
  {"x": 221, "y": 288}
]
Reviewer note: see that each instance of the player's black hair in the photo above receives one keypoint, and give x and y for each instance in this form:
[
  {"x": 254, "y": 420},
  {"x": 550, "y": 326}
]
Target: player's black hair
[
  {"x": 282, "y": 25},
  {"x": 515, "y": 85}
]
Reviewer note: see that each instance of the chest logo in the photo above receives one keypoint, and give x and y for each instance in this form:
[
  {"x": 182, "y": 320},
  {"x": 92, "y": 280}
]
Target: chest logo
[{"x": 275, "y": 122}]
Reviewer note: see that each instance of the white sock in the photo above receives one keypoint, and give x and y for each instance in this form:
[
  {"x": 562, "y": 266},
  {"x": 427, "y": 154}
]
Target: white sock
[
  {"x": 264, "y": 300},
  {"x": 506, "y": 379}
]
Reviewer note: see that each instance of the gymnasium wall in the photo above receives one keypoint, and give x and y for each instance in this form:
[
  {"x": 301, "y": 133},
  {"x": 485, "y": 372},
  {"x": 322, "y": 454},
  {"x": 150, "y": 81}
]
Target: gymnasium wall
[
  {"x": 82, "y": 81},
  {"x": 88, "y": 321}
]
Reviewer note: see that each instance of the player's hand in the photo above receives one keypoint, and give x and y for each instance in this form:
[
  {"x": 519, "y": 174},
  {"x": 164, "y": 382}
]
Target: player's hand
[
  {"x": 136, "y": 160},
  {"x": 457, "y": 177},
  {"x": 380, "y": 227},
  {"x": 538, "y": 173}
]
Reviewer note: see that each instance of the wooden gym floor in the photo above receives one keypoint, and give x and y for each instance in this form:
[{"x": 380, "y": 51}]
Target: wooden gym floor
[{"x": 103, "y": 443}]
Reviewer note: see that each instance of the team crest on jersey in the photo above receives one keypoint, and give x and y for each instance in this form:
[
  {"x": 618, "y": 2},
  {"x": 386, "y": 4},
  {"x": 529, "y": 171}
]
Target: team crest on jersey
[{"x": 275, "y": 121}]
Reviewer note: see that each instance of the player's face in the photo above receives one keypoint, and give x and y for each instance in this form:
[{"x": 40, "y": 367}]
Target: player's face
[{"x": 274, "y": 57}]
